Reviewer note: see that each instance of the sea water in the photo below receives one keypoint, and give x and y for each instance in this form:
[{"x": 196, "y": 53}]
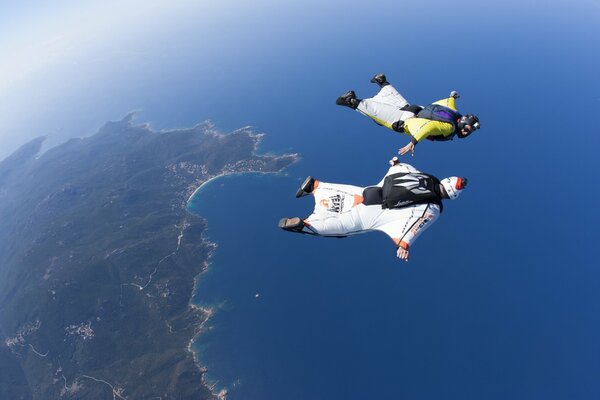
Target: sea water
[
  {"x": 476, "y": 313},
  {"x": 299, "y": 317}
]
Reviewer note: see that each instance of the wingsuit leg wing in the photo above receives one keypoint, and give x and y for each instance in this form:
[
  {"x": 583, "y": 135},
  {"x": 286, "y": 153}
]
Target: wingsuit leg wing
[
  {"x": 334, "y": 214},
  {"x": 335, "y": 211},
  {"x": 386, "y": 107}
]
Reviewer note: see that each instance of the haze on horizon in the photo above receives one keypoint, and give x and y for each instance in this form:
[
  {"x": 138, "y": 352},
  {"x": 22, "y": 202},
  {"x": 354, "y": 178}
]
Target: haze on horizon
[{"x": 65, "y": 67}]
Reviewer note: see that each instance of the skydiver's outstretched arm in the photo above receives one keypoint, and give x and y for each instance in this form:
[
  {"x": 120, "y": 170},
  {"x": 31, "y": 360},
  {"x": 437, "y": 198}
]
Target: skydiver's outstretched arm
[
  {"x": 449, "y": 101},
  {"x": 405, "y": 225}
]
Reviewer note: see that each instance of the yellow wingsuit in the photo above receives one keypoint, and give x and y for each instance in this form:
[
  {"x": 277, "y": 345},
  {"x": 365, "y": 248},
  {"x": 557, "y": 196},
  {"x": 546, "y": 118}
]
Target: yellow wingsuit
[{"x": 420, "y": 128}]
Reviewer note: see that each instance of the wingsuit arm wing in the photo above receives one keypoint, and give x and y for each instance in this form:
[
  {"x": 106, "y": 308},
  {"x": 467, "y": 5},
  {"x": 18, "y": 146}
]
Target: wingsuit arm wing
[
  {"x": 405, "y": 225},
  {"x": 449, "y": 102},
  {"x": 420, "y": 128}
]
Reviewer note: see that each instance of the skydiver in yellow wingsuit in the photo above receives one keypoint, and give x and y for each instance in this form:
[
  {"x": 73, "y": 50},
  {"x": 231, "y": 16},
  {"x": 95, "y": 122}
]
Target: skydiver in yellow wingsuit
[{"x": 439, "y": 121}]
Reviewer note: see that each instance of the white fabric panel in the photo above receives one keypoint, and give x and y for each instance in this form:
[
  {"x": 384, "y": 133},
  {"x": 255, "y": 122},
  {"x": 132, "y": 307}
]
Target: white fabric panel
[{"x": 385, "y": 106}]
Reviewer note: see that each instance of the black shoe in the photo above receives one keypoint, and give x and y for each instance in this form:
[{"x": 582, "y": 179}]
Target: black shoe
[
  {"x": 307, "y": 187},
  {"x": 398, "y": 126},
  {"x": 291, "y": 224},
  {"x": 380, "y": 80},
  {"x": 348, "y": 99}
]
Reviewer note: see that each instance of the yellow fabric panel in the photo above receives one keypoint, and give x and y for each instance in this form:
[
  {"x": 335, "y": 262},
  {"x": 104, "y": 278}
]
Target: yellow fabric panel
[
  {"x": 450, "y": 102},
  {"x": 377, "y": 120},
  {"x": 420, "y": 128}
]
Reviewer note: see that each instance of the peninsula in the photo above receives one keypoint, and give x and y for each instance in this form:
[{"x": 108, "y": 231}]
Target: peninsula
[{"x": 98, "y": 257}]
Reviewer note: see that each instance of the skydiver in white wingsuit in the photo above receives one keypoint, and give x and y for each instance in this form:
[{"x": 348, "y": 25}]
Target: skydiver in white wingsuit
[{"x": 402, "y": 205}]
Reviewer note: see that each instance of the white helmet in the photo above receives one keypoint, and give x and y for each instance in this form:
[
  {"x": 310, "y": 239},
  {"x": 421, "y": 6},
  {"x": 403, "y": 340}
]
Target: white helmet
[{"x": 454, "y": 185}]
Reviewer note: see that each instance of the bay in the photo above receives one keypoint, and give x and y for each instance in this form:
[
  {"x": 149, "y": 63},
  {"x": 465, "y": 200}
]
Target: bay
[{"x": 292, "y": 313}]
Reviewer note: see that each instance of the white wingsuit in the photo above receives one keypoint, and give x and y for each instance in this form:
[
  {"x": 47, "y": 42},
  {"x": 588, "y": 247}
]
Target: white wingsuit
[{"x": 339, "y": 211}]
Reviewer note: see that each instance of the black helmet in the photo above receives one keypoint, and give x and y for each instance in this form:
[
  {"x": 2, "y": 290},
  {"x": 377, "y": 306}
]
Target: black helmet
[{"x": 469, "y": 119}]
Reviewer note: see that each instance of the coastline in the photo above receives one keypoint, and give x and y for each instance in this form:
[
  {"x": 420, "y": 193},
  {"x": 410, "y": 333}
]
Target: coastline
[
  {"x": 225, "y": 175},
  {"x": 137, "y": 294},
  {"x": 209, "y": 312}
]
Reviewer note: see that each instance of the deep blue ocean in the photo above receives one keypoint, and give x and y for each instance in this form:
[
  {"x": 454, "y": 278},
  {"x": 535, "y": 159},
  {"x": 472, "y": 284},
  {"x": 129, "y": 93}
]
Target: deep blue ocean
[{"x": 485, "y": 309}]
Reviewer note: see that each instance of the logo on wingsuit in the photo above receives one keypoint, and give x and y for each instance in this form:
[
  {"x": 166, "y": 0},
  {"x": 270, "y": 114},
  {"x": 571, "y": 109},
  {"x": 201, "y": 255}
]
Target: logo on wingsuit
[{"x": 333, "y": 204}]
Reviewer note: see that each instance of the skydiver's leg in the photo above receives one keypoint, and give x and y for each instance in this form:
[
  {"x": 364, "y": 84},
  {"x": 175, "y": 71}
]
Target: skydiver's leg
[
  {"x": 294, "y": 224},
  {"x": 383, "y": 114},
  {"x": 380, "y": 79},
  {"x": 348, "y": 99},
  {"x": 307, "y": 187},
  {"x": 334, "y": 224},
  {"x": 389, "y": 95},
  {"x": 334, "y": 198},
  {"x": 387, "y": 107},
  {"x": 334, "y": 212}
]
